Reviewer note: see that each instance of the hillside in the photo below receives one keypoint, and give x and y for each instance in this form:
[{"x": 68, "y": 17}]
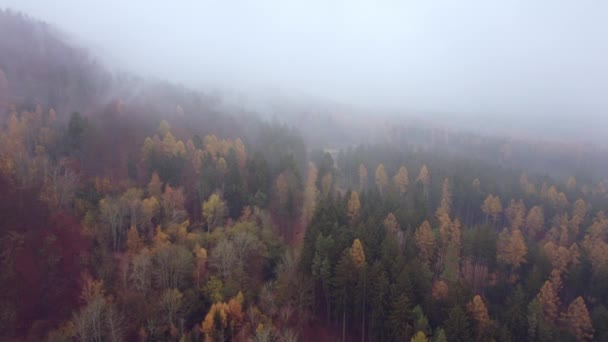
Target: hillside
[{"x": 136, "y": 209}]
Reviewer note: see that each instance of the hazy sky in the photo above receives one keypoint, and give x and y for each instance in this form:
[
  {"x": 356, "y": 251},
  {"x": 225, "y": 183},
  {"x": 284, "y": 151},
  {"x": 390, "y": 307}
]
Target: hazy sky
[{"x": 510, "y": 57}]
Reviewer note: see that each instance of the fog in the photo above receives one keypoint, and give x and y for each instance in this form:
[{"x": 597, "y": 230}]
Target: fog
[{"x": 459, "y": 59}]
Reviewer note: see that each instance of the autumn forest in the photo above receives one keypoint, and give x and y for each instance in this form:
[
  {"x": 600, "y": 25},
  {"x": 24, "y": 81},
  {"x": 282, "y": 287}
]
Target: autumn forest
[{"x": 139, "y": 210}]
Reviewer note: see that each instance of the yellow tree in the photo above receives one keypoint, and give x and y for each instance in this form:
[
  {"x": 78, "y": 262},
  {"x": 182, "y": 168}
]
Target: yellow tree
[
  {"x": 391, "y": 225},
  {"x": 401, "y": 180},
  {"x": 214, "y": 211},
  {"x": 424, "y": 177},
  {"x": 492, "y": 207},
  {"x": 381, "y": 178},
  {"x": 215, "y": 322},
  {"x": 549, "y": 301},
  {"x": 354, "y": 206},
  {"x": 163, "y": 128},
  {"x": 534, "y": 221},
  {"x": 425, "y": 241},
  {"x": 579, "y": 212},
  {"x": 578, "y": 320},
  {"x": 479, "y": 311},
  {"x": 419, "y": 337},
  {"x": 516, "y": 214},
  {"x": 362, "y": 177},
  {"x": 155, "y": 186},
  {"x": 201, "y": 263},
  {"x": 357, "y": 253},
  {"x": 511, "y": 248}
]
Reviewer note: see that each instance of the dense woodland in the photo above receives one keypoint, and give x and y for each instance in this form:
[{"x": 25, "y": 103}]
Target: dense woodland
[{"x": 162, "y": 217}]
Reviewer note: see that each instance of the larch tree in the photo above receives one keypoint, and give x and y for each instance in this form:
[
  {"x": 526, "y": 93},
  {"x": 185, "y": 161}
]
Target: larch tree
[
  {"x": 353, "y": 206},
  {"x": 357, "y": 254},
  {"x": 424, "y": 177},
  {"x": 511, "y": 248},
  {"x": 391, "y": 225},
  {"x": 578, "y": 320},
  {"x": 516, "y": 214},
  {"x": 419, "y": 337},
  {"x": 401, "y": 180},
  {"x": 381, "y": 179},
  {"x": 425, "y": 241},
  {"x": 479, "y": 312},
  {"x": 363, "y": 180},
  {"x": 534, "y": 221},
  {"x": 155, "y": 186},
  {"x": 549, "y": 302}
]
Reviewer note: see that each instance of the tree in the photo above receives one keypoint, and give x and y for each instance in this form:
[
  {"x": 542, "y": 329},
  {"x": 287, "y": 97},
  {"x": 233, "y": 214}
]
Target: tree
[
  {"x": 458, "y": 325},
  {"x": 224, "y": 259},
  {"x": 344, "y": 279},
  {"x": 363, "y": 181},
  {"x": 214, "y": 211},
  {"x": 163, "y": 128},
  {"x": 132, "y": 201},
  {"x": 492, "y": 207},
  {"x": 76, "y": 130},
  {"x": 155, "y": 186},
  {"x": 353, "y": 206},
  {"x": 419, "y": 337},
  {"x": 425, "y": 241},
  {"x": 511, "y": 248},
  {"x": 141, "y": 271},
  {"x": 578, "y": 320},
  {"x": 399, "y": 316},
  {"x": 401, "y": 180},
  {"x": 479, "y": 311},
  {"x": 549, "y": 302},
  {"x": 173, "y": 204},
  {"x": 321, "y": 267},
  {"x": 171, "y": 305},
  {"x": 534, "y": 221},
  {"x": 113, "y": 214},
  {"x": 381, "y": 178},
  {"x": 424, "y": 177},
  {"x": 391, "y": 225},
  {"x": 215, "y": 323},
  {"x": 357, "y": 254},
  {"x": 516, "y": 214},
  {"x": 311, "y": 194},
  {"x": 172, "y": 264}
]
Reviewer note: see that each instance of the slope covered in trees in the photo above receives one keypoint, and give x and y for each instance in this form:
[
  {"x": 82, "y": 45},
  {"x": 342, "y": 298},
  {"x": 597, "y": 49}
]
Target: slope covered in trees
[{"x": 163, "y": 218}]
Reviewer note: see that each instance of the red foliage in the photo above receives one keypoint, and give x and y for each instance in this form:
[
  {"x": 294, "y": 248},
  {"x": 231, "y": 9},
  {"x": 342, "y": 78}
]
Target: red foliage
[{"x": 46, "y": 269}]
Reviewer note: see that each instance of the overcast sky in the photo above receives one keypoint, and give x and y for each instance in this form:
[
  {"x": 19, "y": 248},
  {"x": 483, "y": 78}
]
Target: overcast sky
[{"x": 510, "y": 57}]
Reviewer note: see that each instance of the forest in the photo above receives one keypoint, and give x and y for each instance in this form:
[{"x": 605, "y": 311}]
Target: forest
[{"x": 139, "y": 210}]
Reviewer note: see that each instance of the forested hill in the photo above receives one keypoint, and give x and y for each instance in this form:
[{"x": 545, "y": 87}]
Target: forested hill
[{"x": 139, "y": 210}]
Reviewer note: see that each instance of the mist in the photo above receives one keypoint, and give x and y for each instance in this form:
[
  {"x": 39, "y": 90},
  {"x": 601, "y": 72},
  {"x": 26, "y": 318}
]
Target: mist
[{"x": 465, "y": 61}]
